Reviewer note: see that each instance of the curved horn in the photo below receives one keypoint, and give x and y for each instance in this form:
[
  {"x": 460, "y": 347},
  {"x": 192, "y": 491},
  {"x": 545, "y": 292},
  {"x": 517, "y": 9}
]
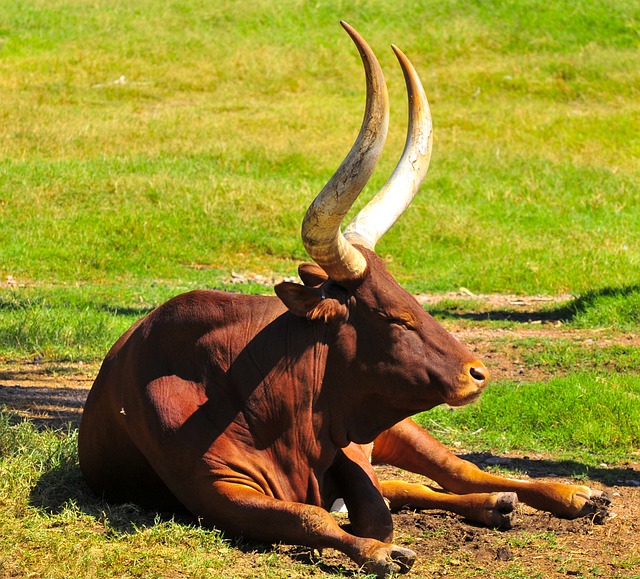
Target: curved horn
[
  {"x": 321, "y": 234},
  {"x": 375, "y": 218}
]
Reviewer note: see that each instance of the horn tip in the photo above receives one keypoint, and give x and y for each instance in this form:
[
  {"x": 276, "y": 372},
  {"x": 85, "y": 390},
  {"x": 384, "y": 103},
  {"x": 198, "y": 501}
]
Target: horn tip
[{"x": 401, "y": 56}]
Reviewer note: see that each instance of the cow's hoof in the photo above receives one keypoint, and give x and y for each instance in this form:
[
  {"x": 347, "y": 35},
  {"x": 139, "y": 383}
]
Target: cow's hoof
[
  {"x": 500, "y": 510},
  {"x": 591, "y": 503},
  {"x": 390, "y": 559}
]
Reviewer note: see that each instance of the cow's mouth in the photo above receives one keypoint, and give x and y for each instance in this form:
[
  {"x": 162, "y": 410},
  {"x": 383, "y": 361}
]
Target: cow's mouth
[{"x": 465, "y": 399}]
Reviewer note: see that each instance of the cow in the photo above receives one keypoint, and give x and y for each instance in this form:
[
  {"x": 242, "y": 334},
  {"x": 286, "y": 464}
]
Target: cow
[{"x": 257, "y": 413}]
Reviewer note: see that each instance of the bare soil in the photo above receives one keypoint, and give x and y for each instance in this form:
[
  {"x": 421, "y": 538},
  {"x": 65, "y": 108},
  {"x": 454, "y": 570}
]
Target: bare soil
[{"x": 539, "y": 545}]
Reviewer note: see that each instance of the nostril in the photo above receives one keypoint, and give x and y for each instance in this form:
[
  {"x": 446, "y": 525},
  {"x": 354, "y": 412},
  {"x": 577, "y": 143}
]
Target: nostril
[{"x": 479, "y": 374}]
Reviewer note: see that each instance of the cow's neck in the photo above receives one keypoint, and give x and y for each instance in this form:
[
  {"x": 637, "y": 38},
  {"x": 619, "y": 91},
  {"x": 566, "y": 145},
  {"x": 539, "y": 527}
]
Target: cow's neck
[
  {"x": 308, "y": 389},
  {"x": 360, "y": 419},
  {"x": 348, "y": 404}
]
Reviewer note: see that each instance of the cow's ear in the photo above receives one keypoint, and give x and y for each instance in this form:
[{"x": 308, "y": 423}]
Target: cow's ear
[
  {"x": 309, "y": 302},
  {"x": 312, "y": 275},
  {"x": 298, "y": 298}
]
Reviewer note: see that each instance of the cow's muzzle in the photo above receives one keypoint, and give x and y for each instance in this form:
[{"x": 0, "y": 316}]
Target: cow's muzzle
[{"x": 473, "y": 380}]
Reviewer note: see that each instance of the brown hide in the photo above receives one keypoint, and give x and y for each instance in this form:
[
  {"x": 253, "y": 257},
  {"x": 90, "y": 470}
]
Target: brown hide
[{"x": 237, "y": 388}]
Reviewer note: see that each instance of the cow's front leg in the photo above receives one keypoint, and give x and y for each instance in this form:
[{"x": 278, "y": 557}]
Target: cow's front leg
[
  {"x": 352, "y": 478},
  {"x": 241, "y": 510},
  {"x": 408, "y": 446}
]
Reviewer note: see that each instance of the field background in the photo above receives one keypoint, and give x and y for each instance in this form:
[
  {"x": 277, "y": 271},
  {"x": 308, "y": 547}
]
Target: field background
[{"x": 148, "y": 148}]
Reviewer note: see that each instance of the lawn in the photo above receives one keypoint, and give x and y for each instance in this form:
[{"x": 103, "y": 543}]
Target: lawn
[{"x": 148, "y": 148}]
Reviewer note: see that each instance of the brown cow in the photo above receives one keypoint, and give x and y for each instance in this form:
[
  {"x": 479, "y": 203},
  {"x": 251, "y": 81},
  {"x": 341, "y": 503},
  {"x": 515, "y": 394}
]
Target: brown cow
[{"x": 256, "y": 413}]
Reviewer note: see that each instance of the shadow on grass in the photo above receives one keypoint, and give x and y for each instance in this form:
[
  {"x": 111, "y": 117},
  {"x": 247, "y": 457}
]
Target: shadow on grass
[
  {"x": 565, "y": 313},
  {"x": 546, "y": 468},
  {"x": 130, "y": 312},
  {"x": 64, "y": 485},
  {"x": 53, "y": 408}
]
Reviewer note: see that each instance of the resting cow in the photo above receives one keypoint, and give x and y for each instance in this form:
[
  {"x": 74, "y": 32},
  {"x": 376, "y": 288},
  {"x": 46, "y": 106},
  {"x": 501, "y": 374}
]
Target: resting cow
[{"x": 257, "y": 413}]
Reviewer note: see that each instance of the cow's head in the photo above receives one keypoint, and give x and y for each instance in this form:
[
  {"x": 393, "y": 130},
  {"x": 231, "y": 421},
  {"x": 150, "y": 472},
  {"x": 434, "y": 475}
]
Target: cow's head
[{"x": 404, "y": 355}]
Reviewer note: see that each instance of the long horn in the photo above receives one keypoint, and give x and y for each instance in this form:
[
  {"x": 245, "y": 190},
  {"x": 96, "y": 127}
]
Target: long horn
[
  {"x": 321, "y": 234},
  {"x": 375, "y": 218}
]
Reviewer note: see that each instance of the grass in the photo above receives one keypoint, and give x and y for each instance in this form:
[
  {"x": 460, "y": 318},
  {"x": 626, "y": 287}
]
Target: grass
[
  {"x": 566, "y": 357},
  {"x": 62, "y": 530},
  {"x": 133, "y": 150},
  {"x": 148, "y": 148},
  {"x": 592, "y": 417},
  {"x": 613, "y": 307}
]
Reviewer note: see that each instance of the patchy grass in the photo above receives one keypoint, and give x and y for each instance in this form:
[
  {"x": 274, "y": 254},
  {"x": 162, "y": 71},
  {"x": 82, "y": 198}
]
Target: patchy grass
[{"x": 567, "y": 357}]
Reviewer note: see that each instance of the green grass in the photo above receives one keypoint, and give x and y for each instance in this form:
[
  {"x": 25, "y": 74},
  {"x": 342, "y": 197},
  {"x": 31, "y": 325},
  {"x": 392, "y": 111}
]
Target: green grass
[
  {"x": 148, "y": 148},
  {"x": 593, "y": 417},
  {"x": 63, "y": 530},
  {"x": 567, "y": 357},
  {"x": 231, "y": 117},
  {"x": 80, "y": 323},
  {"x": 61, "y": 325},
  {"x": 612, "y": 307}
]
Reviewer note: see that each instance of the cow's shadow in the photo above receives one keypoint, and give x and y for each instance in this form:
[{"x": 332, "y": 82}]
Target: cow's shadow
[
  {"x": 63, "y": 487},
  {"x": 564, "y": 312},
  {"x": 567, "y": 470}
]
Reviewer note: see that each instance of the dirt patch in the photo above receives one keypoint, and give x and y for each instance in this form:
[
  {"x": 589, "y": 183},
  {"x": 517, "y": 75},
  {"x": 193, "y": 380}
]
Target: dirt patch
[
  {"x": 539, "y": 545},
  {"x": 49, "y": 394},
  {"x": 502, "y": 351}
]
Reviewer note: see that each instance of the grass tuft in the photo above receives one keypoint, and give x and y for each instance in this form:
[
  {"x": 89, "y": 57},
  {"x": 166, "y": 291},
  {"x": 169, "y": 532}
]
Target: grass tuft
[{"x": 610, "y": 307}]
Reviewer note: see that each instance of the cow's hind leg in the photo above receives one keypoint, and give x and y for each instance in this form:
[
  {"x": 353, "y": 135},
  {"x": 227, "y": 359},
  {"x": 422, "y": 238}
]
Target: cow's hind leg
[
  {"x": 410, "y": 447},
  {"x": 490, "y": 509}
]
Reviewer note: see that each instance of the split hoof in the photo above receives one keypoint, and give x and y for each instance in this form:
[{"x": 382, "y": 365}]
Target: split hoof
[
  {"x": 500, "y": 510},
  {"x": 595, "y": 505},
  {"x": 390, "y": 559}
]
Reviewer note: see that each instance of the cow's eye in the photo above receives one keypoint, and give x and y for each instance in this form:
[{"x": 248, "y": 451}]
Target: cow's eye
[
  {"x": 405, "y": 322},
  {"x": 403, "y": 319}
]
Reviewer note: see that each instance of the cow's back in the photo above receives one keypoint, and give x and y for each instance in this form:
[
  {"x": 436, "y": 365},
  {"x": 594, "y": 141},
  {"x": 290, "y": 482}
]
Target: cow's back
[{"x": 110, "y": 446}]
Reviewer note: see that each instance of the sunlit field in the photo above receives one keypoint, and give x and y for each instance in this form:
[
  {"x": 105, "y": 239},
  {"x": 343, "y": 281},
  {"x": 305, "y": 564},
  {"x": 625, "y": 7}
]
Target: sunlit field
[{"x": 148, "y": 148}]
